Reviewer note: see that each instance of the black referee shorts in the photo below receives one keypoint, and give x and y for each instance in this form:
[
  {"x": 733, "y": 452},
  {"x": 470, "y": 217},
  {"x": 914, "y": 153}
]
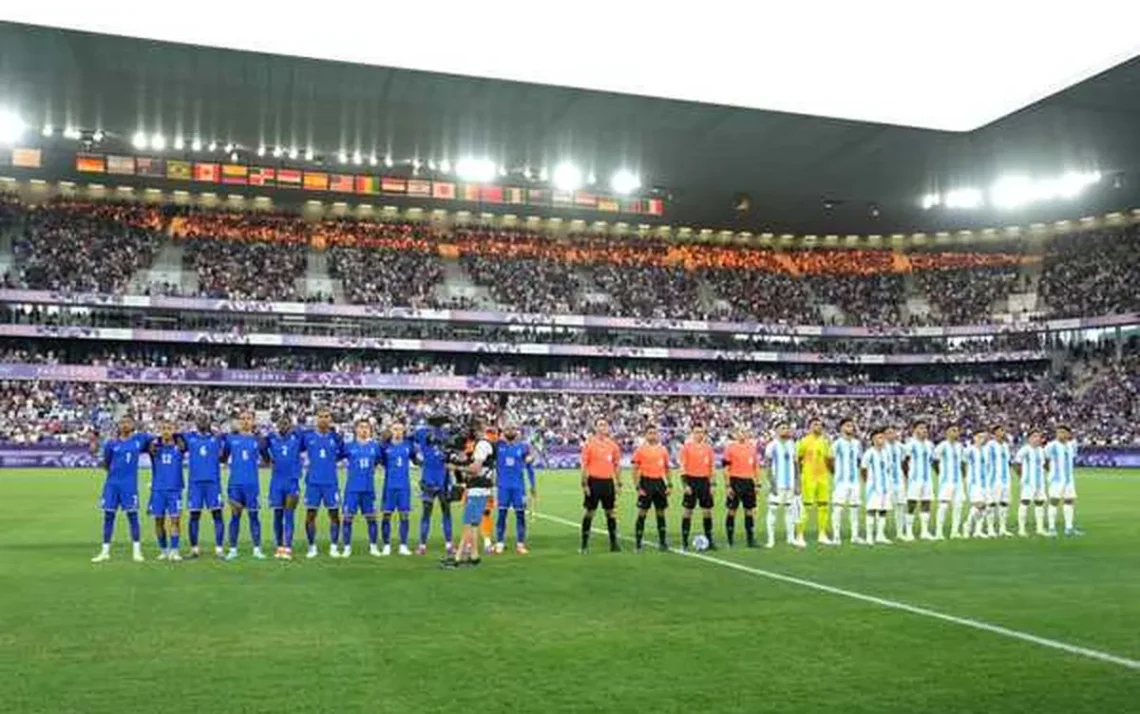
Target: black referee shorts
[
  {"x": 652, "y": 492},
  {"x": 599, "y": 491},
  {"x": 698, "y": 492},
  {"x": 741, "y": 492}
]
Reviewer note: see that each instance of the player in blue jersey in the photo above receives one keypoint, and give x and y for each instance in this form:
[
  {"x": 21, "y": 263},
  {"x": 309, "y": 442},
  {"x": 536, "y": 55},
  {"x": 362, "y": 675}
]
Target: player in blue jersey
[
  {"x": 997, "y": 463},
  {"x": 398, "y": 456},
  {"x": 121, "y": 487},
  {"x": 1030, "y": 464},
  {"x": 918, "y": 462},
  {"x": 949, "y": 462},
  {"x": 1061, "y": 457},
  {"x": 895, "y": 451},
  {"x": 846, "y": 455},
  {"x": 875, "y": 466},
  {"x": 361, "y": 456},
  {"x": 978, "y": 473},
  {"x": 282, "y": 449},
  {"x": 512, "y": 456},
  {"x": 204, "y": 455},
  {"x": 322, "y": 487},
  {"x": 242, "y": 451},
  {"x": 434, "y": 484},
  {"x": 166, "y": 459}
]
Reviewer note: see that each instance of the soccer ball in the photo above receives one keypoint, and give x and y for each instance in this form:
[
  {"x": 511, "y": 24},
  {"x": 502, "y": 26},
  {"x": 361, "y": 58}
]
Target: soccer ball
[{"x": 700, "y": 543}]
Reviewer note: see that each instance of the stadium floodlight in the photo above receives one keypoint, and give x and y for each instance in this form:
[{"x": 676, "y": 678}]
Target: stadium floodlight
[
  {"x": 179, "y": 143},
  {"x": 97, "y": 136},
  {"x": 212, "y": 146},
  {"x": 261, "y": 150},
  {"x": 431, "y": 164},
  {"x": 592, "y": 179},
  {"x": 196, "y": 145},
  {"x": 445, "y": 166},
  {"x": 1013, "y": 192},
  {"x": 931, "y": 200},
  {"x": 625, "y": 182},
  {"x": 342, "y": 156},
  {"x": 72, "y": 132},
  {"x": 357, "y": 158},
  {"x": 567, "y": 176},
  {"x": 388, "y": 161},
  {"x": 503, "y": 170},
  {"x": 229, "y": 147},
  {"x": 158, "y": 142},
  {"x": 139, "y": 139},
  {"x": 372, "y": 160},
  {"x": 309, "y": 155},
  {"x": 475, "y": 170},
  {"x": 11, "y": 127},
  {"x": 543, "y": 174},
  {"x": 277, "y": 151},
  {"x": 293, "y": 153},
  {"x": 47, "y": 130},
  {"x": 964, "y": 198}
]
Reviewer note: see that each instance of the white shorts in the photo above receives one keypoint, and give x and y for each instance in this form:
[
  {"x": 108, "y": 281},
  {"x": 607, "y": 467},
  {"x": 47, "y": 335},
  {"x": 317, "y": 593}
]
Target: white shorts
[
  {"x": 845, "y": 494},
  {"x": 878, "y": 500},
  {"x": 782, "y": 497},
  {"x": 1062, "y": 490},
  {"x": 919, "y": 491},
  {"x": 981, "y": 494},
  {"x": 1032, "y": 492},
  {"x": 950, "y": 491},
  {"x": 999, "y": 493}
]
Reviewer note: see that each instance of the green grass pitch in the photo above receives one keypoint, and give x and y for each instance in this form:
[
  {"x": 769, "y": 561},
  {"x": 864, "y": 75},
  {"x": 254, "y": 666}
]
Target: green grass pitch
[{"x": 559, "y": 632}]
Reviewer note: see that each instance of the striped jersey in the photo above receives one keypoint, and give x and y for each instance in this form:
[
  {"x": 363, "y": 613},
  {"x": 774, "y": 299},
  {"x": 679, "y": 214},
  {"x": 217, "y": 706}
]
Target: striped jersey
[
  {"x": 1032, "y": 461},
  {"x": 781, "y": 455},
  {"x": 877, "y": 463},
  {"x": 920, "y": 457},
  {"x": 949, "y": 455},
  {"x": 895, "y": 452},
  {"x": 997, "y": 462},
  {"x": 1062, "y": 459},
  {"x": 977, "y": 466},
  {"x": 846, "y": 453}
]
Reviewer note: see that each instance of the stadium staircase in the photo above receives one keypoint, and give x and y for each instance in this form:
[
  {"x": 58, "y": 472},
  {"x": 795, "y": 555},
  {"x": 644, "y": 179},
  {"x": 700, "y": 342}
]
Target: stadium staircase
[
  {"x": 1026, "y": 302},
  {"x": 915, "y": 301},
  {"x": 458, "y": 286},
  {"x": 7, "y": 254},
  {"x": 168, "y": 269},
  {"x": 317, "y": 282}
]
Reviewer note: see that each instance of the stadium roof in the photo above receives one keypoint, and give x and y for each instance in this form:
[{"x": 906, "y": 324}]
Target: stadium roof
[{"x": 701, "y": 154}]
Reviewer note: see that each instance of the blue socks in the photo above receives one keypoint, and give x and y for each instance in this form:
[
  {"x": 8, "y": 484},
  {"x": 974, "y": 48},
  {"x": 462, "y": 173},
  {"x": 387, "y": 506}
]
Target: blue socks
[
  {"x": 195, "y": 523},
  {"x": 161, "y": 540},
  {"x": 405, "y": 526},
  {"x": 255, "y": 528},
  {"x": 501, "y": 525},
  {"x": 219, "y": 527},
  {"x": 278, "y": 527},
  {"x": 425, "y": 522},
  {"x": 386, "y": 529},
  {"x": 108, "y": 526},
  {"x": 287, "y": 529},
  {"x": 347, "y": 532},
  {"x": 372, "y": 529},
  {"x": 334, "y": 529},
  {"x": 520, "y": 526},
  {"x": 311, "y": 532},
  {"x": 445, "y": 516},
  {"x": 133, "y": 521},
  {"x": 235, "y": 524},
  {"x": 174, "y": 541}
]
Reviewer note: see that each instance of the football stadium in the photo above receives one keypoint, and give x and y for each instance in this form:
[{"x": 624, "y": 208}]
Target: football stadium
[{"x": 345, "y": 375}]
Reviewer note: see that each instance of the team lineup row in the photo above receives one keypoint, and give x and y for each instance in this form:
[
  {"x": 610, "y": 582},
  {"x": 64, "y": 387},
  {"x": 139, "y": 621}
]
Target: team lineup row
[{"x": 812, "y": 473}]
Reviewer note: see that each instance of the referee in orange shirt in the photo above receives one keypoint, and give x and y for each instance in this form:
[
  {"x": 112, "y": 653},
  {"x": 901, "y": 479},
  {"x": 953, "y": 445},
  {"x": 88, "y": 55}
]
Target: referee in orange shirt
[
  {"x": 697, "y": 469},
  {"x": 601, "y": 482}
]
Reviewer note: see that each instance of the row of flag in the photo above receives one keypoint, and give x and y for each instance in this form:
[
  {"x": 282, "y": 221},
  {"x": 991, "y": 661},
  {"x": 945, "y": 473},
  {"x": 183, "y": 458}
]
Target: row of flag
[{"x": 241, "y": 175}]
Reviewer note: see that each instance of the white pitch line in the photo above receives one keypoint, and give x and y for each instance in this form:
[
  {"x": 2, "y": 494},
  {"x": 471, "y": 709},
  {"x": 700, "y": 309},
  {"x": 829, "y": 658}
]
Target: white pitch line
[{"x": 895, "y": 605}]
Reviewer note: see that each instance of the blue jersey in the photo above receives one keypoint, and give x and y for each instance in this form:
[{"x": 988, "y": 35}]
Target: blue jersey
[
  {"x": 1032, "y": 461},
  {"x": 283, "y": 451},
  {"x": 397, "y": 460},
  {"x": 846, "y": 453},
  {"x": 121, "y": 459},
  {"x": 204, "y": 452},
  {"x": 997, "y": 462},
  {"x": 242, "y": 452},
  {"x": 510, "y": 463},
  {"x": 781, "y": 456},
  {"x": 978, "y": 467},
  {"x": 166, "y": 465},
  {"x": 428, "y": 444},
  {"x": 323, "y": 450},
  {"x": 895, "y": 453},
  {"x": 920, "y": 456},
  {"x": 877, "y": 464},
  {"x": 949, "y": 455},
  {"x": 1062, "y": 459},
  {"x": 362, "y": 458}
]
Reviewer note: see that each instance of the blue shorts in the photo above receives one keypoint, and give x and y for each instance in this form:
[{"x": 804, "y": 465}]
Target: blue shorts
[
  {"x": 119, "y": 496},
  {"x": 473, "y": 510},
  {"x": 280, "y": 491},
  {"x": 205, "y": 495},
  {"x": 511, "y": 497},
  {"x": 429, "y": 493},
  {"x": 359, "y": 502},
  {"x": 244, "y": 495},
  {"x": 165, "y": 503},
  {"x": 397, "y": 499},
  {"x": 317, "y": 495}
]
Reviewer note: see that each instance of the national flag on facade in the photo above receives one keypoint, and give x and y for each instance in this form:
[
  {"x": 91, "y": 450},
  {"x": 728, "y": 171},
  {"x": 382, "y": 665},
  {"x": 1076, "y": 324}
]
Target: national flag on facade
[
  {"x": 235, "y": 174},
  {"x": 206, "y": 172},
  {"x": 391, "y": 184},
  {"x": 515, "y": 195},
  {"x": 90, "y": 163},
  {"x": 443, "y": 190},
  {"x": 122, "y": 165},
  {"x": 419, "y": 187},
  {"x": 178, "y": 170},
  {"x": 366, "y": 184},
  {"x": 491, "y": 194},
  {"x": 342, "y": 183},
  {"x": 316, "y": 181},
  {"x": 290, "y": 178},
  {"x": 261, "y": 176}
]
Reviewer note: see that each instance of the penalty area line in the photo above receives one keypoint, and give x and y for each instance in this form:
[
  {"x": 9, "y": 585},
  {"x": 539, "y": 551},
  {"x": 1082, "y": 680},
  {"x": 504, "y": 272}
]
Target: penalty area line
[{"x": 894, "y": 605}]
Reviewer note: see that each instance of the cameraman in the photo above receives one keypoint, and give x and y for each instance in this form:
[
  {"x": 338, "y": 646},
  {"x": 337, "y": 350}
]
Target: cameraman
[{"x": 479, "y": 475}]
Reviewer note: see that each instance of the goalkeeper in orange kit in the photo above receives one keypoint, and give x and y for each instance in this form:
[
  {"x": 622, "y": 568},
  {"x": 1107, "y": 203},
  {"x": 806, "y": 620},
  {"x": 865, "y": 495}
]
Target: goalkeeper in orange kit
[{"x": 812, "y": 453}]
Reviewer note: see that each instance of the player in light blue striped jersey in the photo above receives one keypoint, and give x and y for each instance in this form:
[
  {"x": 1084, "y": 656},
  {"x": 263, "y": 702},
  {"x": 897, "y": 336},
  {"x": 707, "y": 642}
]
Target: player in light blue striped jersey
[
  {"x": 1061, "y": 456},
  {"x": 918, "y": 459},
  {"x": 783, "y": 485},
  {"x": 846, "y": 452},
  {"x": 1030, "y": 462},
  {"x": 977, "y": 486},
  {"x": 949, "y": 455},
  {"x": 876, "y": 467},
  {"x": 998, "y": 463},
  {"x": 896, "y": 452}
]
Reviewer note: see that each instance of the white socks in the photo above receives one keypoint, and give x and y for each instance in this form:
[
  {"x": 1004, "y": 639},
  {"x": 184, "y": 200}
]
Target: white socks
[
  {"x": 1067, "y": 510},
  {"x": 854, "y": 522},
  {"x": 941, "y": 522},
  {"x": 1039, "y": 517},
  {"x": 924, "y": 519},
  {"x": 836, "y": 523},
  {"x": 1052, "y": 517},
  {"x": 771, "y": 523},
  {"x": 900, "y": 521},
  {"x": 791, "y": 520}
]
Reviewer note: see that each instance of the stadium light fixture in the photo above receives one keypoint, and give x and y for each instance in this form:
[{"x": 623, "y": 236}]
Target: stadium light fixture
[
  {"x": 158, "y": 142},
  {"x": 213, "y": 146},
  {"x": 388, "y": 161},
  {"x": 931, "y": 200},
  {"x": 11, "y": 127},
  {"x": 72, "y": 132},
  {"x": 445, "y": 166},
  {"x": 964, "y": 198},
  {"x": 277, "y": 151},
  {"x": 1013, "y": 192},
  {"x": 196, "y": 145},
  {"x": 179, "y": 143},
  {"x": 543, "y": 174},
  {"x": 97, "y": 137},
  {"x": 475, "y": 170},
  {"x": 293, "y": 153},
  {"x": 503, "y": 170},
  {"x": 592, "y": 178},
  {"x": 47, "y": 130},
  {"x": 357, "y": 158},
  {"x": 139, "y": 140},
  {"x": 567, "y": 177},
  {"x": 229, "y": 147},
  {"x": 430, "y": 164},
  {"x": 372, "y": 160},
  {"x": 261, "y": 150},
  {"x": 342, "y": 156},
  {"x": 309, "y": 155},
  {"x": 625, "y": 182}
]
